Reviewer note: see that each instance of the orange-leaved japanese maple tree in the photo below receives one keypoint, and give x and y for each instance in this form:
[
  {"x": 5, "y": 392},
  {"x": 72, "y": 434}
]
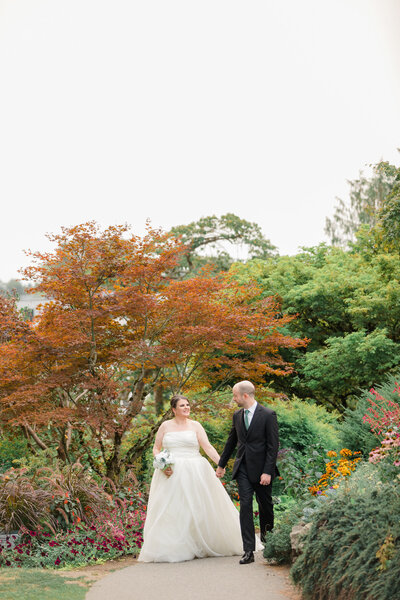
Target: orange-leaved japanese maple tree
[{"x": 115, "y": 324}]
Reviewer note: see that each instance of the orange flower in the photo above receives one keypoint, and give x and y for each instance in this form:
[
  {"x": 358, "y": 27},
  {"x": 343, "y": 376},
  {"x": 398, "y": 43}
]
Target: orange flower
[
  {"x": 345, "y": 452},
  {"x": 335, "y": 470}
]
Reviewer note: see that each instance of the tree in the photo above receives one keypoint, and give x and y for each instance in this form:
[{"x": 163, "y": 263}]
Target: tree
[
  {"x": 116, "y": 325},
  {"x": 389, "y": 217},
  {"x": 13, "y": 287},
  {"x": 345, "y": 364},
  {"x": 366, "y": 200},
  {"x": 347, "y": 305},
  {"x": 208, "y": 240}
]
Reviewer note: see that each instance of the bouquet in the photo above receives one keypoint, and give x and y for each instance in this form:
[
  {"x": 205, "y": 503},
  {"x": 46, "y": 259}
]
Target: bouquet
[{"x": 162, "y": 460}]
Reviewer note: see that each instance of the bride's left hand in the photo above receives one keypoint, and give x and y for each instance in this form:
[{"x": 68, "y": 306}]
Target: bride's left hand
[{"x": 168, "y": 471}]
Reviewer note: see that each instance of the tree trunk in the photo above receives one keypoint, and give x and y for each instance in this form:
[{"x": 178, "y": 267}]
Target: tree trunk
[
  {"x": 62, "y": 451},
  {"x": 113, "y": 465},
  {"x": 159, "y": 400}
]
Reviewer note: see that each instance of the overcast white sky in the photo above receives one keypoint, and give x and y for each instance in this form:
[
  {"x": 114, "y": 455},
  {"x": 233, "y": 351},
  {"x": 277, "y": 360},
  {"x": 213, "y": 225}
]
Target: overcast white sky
[{"x": 122, "y": 110}]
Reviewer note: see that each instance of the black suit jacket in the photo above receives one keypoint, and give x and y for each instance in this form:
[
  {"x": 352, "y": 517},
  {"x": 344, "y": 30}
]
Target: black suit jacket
[{"x": 258, "y": 446}]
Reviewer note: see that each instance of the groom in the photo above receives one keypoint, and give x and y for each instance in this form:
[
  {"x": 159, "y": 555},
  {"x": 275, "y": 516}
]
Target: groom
[{"x": 255, "y": 433}]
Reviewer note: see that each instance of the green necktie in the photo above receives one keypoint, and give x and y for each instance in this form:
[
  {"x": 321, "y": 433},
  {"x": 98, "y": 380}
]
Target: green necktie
[{"x": 246, "y": 418}]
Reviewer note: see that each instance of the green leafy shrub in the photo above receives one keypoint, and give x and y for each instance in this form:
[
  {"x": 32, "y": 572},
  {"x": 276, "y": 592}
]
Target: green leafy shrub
[
  {"x": 299, "y": 471},
  {"x": 303, "y": 425},
  {"x": 217, "y": 431},
  {"x": 277, "y": 546},
  {"x": 354, "y": 433},
  {"x": 353, "y": 548},
  {"x": 11, "y": 448}
]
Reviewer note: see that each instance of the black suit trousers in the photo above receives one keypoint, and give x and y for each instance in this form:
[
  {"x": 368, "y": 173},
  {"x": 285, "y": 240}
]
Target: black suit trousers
[{"x": 263, "y": 493}]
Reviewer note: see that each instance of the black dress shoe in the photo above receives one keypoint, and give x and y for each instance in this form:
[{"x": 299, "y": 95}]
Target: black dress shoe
[{"x": 248, "y": 557}]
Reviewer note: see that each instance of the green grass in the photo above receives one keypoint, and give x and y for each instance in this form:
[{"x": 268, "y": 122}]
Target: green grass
[{"x": 27, "y": 584}]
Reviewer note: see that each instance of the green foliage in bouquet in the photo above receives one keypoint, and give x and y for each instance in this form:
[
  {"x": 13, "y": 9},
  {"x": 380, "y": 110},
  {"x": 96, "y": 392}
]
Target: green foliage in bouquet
[{"x": 353, "y": 548}]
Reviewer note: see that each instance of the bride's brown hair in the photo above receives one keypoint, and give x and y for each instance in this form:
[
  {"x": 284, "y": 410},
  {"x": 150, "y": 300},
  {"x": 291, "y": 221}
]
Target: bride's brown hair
[{"x": 175, "y": 399}]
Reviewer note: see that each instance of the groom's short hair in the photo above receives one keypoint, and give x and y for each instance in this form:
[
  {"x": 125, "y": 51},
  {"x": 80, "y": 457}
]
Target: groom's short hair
[{"x": 246, "y": 387}]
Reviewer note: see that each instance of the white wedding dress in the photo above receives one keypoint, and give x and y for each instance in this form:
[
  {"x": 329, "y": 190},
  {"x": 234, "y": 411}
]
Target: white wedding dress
[{"x": 189, "y": 514}]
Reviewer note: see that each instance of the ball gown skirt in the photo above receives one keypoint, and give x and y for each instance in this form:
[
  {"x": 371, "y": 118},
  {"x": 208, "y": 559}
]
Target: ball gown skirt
[{"x": 189, "y": 514}]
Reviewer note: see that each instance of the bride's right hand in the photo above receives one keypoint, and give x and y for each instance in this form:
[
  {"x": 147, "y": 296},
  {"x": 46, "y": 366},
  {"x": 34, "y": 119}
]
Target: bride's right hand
[{"x": 168, "y": 471}]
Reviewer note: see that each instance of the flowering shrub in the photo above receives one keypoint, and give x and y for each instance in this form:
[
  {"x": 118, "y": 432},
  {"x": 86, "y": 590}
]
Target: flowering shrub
[
  {"x": 383, "y": 413},
  {"x": 383, "y": 416},
  {"x": 336, "y": 470},
  {"x": 389, "y": 448},
  {"x": 113, "y": 533},
  {"x": 64, "y": 516},
  {"x": 387, "y": 455}
]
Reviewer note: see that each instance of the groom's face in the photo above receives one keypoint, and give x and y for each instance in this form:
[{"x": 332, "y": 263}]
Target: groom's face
[{"x": 237, "y": 397}]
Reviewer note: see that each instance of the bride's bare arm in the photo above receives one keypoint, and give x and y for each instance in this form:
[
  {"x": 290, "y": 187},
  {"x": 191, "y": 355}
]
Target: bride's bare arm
[
  {"x": 158, "y": 440},
  {"x": 205, "y": 444},
  {"x": 158, "y": 447}
]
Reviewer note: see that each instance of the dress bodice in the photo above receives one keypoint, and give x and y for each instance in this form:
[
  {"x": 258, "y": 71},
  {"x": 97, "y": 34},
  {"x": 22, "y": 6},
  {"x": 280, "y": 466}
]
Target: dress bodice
[{"x": 181, "y": 444}]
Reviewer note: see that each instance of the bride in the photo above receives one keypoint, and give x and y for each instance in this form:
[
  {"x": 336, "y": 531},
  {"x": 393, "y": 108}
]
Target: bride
[{"x": 189, "y": 513}]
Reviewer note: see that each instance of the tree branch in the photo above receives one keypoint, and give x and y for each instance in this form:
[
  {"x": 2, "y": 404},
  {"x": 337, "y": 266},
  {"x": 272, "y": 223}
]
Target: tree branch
[{"x": 39, "y": 442}]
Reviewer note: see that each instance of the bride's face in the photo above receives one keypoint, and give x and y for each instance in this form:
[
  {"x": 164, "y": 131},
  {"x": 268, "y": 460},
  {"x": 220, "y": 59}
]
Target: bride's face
[{"x": 182, "y": 409}]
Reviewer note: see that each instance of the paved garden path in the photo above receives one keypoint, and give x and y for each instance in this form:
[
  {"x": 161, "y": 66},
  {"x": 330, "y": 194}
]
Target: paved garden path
[{"x": 199, "y": 579}]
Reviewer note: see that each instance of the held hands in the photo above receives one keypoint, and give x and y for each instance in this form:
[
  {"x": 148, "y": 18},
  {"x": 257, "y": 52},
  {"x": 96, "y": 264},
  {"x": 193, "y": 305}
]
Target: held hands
[
  {"x": 265, "y": 479},
  {"x": 220, "y": 472}
]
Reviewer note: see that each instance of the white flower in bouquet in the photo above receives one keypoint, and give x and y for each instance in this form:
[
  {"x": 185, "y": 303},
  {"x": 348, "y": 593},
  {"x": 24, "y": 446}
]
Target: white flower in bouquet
[{"x": 162, "y": 460}]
